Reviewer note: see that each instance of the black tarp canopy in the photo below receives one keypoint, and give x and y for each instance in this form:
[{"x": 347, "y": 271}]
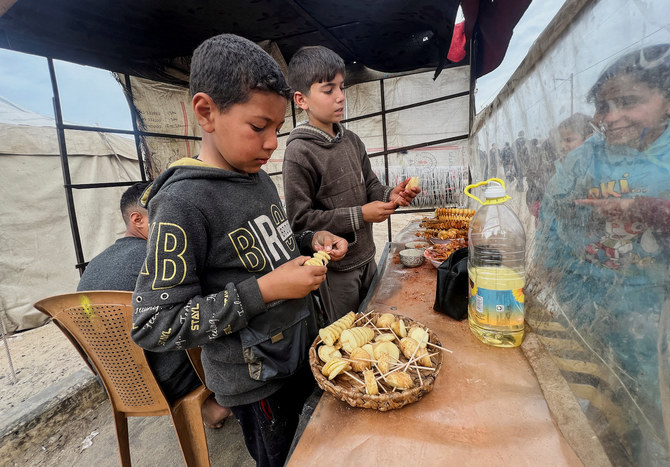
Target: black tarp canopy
[{"x": 154, "y": 39}]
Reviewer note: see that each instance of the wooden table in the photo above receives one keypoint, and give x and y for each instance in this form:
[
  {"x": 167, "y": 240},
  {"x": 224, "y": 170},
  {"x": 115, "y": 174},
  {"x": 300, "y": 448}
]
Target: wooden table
[{"x": 486, "y": 407}]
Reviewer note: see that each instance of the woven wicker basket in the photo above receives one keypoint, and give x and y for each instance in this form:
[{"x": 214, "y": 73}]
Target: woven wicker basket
[{"x": 352, "y": 392}]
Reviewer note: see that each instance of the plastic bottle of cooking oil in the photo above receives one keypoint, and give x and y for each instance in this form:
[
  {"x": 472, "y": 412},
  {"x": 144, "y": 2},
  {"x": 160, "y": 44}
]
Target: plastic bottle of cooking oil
[{"x": 496, "y": 268}]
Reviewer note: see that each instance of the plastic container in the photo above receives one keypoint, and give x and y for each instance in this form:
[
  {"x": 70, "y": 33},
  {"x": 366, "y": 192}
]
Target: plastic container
[{"x": 496, "y": 268}]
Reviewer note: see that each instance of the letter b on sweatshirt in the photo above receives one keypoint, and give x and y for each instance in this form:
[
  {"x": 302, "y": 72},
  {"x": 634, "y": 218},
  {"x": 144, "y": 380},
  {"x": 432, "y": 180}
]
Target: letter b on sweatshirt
[{"x": 169, "y": 263}]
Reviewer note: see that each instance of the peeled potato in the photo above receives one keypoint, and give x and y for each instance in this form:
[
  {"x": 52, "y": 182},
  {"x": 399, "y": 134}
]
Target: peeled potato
[
  {"x": 399, "y": 380},
  {"x": 413, "y": 183},
  {"x": 399, "y": 328},
  {"x": 409, "y": 349},
  {"x": 385, "y": 337},
  {"x": 327, "y": 353},
  {"x": 369, "y": 350},
  {"x": 384, "y": 362},
  {"x": 370, "y": 383},
  {"x": 361, "y": 359},
  {"x": 385, "y": 320},
  {"x": 419, "y": 334},
  {"x": 386, "y": 347}
]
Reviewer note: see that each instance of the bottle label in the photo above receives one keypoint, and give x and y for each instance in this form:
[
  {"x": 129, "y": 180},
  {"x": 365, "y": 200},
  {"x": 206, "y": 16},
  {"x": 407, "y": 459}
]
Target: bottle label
[{"x": 499, "y": 308}]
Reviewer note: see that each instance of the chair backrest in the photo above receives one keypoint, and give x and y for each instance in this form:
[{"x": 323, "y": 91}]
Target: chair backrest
[{"x": 99, "y": 322}]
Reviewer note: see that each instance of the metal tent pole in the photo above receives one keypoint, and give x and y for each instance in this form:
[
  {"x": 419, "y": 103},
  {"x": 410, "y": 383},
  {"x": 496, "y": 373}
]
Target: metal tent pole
[{"x": 74, "y": 227}]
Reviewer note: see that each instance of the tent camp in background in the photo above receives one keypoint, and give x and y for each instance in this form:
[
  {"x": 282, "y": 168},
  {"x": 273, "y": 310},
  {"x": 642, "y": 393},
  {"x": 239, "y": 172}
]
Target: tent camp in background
[{"x": 38, "y": 252}]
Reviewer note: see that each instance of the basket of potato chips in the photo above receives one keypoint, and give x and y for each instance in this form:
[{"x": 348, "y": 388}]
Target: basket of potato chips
[{"x": 379, "y": 361}]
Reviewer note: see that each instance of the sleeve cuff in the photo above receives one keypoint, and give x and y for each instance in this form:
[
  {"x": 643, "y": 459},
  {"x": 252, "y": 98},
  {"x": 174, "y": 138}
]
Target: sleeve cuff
[
  {"x": 356, "y": 215},
  {"x": 304, "y": 241},
  {"x": 251, "y": 298},
  {"x": 387, "y": 194}
]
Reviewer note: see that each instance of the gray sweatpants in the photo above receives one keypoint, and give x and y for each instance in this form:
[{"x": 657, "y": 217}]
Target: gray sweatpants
[{"x": 343, "y": 291}]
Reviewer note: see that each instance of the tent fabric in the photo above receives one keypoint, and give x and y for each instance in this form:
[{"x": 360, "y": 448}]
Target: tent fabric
[
  {"x": 153, "y": 40},
  {"x": 38, "y": 253}
]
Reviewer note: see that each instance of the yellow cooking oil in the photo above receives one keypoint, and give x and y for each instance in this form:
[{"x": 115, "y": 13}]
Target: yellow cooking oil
[{"x": 496, "y": 305}]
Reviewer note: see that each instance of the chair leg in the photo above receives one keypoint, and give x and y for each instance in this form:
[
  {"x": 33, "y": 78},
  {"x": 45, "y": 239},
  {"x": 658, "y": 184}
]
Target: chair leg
[
  {"x": 187, "y": 419},
  {"x": 121, "y": 425}
]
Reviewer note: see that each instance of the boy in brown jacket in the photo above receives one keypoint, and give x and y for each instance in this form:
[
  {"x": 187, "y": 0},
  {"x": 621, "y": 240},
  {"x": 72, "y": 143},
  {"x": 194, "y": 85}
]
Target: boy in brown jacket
[{"x": 328, "y": 181}]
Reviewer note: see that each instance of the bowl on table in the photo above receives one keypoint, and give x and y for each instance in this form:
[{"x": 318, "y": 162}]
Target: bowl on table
[
  {"x": 411, "y": 257},
  {"x": 417, "y": 245}
]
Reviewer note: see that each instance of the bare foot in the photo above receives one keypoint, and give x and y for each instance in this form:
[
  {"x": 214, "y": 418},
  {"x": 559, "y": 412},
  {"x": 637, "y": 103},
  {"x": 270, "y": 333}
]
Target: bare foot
[{"x": 213, "y": 415}]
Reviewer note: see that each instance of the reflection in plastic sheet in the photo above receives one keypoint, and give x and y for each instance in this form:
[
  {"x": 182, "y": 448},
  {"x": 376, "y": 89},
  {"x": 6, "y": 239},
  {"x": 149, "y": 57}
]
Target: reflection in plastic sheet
[{"x": 593, "y": 189}]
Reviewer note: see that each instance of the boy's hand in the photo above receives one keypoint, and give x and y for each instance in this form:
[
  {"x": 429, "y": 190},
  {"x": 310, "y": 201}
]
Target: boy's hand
[
  {"x": 609, "y": 208},
  {"x": 654, "y": 212},
  {"x": 291, "y": 280},
  {"x": 335, "y": 246},
  {"x": 403, "y": 196},
  {"x": 378, "y": 211}
]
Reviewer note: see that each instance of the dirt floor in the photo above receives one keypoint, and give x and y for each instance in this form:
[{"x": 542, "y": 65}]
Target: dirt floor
[
  {"x": 42, "y": 356},
  {"x": 39, "y": 357}
]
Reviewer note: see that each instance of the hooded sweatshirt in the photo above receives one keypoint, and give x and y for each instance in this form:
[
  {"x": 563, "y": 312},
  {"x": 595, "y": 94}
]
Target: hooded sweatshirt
[
  {"x": 327, "y": 180},
  {"x": 212, "y": 234}
]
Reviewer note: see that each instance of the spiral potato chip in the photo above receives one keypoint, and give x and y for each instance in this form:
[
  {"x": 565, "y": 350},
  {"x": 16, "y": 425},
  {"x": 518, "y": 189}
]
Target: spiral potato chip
[
  {"x": 355, "y": 337},
  {"x": 331, "y": 333},
  {"x": 328, "y": 352},
  {"x": 334, "y": 367},
  {"x": 320, "y": 258}
]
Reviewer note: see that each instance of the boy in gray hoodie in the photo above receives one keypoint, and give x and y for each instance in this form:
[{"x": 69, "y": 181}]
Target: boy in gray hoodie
[
  {"x": 328, "y": 181},
  {"x": 223, "y": 270}
]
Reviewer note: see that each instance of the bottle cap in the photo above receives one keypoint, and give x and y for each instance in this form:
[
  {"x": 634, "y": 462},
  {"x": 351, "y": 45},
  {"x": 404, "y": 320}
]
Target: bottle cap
[{"x": 494, "y": 190}]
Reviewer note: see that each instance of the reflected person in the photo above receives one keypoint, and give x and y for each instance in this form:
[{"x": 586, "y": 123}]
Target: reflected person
[{"x": 604, "y": 225}]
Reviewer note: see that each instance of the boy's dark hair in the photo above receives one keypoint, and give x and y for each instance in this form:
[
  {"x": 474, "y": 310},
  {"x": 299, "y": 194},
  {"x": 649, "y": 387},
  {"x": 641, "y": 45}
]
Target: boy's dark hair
[
  {"x": 313, "y": 64},
  {"x": 649, "y": 65},
  {"x": 130, "y": 199},
  {"x": 228, "y": 67},
  {"x": 579, "y": 123}
]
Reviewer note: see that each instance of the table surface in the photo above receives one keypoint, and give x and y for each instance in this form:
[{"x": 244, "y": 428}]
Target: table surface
[{"x": 486, "y": 406}]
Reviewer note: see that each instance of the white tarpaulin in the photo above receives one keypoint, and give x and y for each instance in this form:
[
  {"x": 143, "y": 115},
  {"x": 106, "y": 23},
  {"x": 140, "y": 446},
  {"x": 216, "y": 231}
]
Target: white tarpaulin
[
  {"x": 38, "y": 258},
  {"x": 166, "y": 109}
]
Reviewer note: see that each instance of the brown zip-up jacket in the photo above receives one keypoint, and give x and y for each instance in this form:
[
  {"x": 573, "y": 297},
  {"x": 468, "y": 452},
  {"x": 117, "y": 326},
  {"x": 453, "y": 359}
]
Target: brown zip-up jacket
[{"x": 327, "y": 180}]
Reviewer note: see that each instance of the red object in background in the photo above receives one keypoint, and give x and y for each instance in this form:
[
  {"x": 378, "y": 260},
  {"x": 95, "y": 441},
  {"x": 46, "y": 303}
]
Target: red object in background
[
  {"x": 457, "y": 47},
  {"x": 493, "y": 24}
]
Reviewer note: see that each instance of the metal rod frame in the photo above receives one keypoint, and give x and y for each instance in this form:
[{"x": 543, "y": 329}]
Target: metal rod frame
[{"x": 138, "y": 134}]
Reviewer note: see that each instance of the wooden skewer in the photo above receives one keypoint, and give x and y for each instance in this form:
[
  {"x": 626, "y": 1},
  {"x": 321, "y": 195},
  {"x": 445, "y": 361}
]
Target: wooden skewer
[
  {"x": 422, "y": 367},
  {"x": 380, "y": 377},
  {"x": 412, "y": 356},
  {"x": 354, "y": 377},
  {"x": 358, "y": 360},
  {"x": 364, "y": 316},
  {"x": 441, "y": 348}
]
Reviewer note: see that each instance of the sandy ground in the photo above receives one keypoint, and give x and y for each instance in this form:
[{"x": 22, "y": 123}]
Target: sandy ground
[
  {"x": 43, "y": 355},
  {"x": 40, "y": 357}
]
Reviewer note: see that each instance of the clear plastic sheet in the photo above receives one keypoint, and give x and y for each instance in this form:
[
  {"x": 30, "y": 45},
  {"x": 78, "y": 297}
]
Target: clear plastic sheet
[{"x": 580, "y": 134}]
